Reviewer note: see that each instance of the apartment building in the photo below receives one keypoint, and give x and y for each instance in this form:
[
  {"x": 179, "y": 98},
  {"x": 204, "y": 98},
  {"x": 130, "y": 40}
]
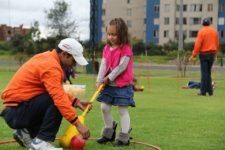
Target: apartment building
[
  {"x": 132, "y": 11},
  {"x": 157, "y": 21},
  {"x": 193, "y": 13}
]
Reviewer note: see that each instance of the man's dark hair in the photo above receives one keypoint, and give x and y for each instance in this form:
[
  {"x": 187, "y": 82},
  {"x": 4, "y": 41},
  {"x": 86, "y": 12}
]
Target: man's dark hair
[
  {"x": 58, "y": 50},
  {"x": 206, "y": 22}
]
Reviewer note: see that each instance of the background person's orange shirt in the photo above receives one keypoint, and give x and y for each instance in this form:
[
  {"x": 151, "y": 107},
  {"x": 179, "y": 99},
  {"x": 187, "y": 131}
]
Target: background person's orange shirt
[
  {"x": 207, "y": 41},
  {"x": 41, "y": 74}
]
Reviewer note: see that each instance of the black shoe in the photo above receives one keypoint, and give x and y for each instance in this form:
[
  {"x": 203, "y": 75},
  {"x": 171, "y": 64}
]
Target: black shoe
[
  {"x": 210, "y": 94},
  {"x": 201, "y": 94},
  {"x": 120, "y": 143},
  {"x": 104, "y": 140}
]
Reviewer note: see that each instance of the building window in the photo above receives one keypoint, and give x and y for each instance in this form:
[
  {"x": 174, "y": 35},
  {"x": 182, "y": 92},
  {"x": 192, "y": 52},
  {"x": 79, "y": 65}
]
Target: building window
[
  {"x": 103, "y": 12},
  {"x": 129, "y": 23},
  {"x": 195, "y": 21},
  {"x": 177, "y": 34},
  {"x": 177, "y": 21},
  {"x": 196, "y": 7},
  {"x": 166, "y": 33},
  {"x": 156, "y": 33},
  {"x": 166, "y": 20},
  {"x": 184, "y": 21},
  {"x": 129, "y": 12},
  {"x": 210, "y": 7},
  {"x": 211, "y": 19},
  {"x": 221, "y": 7},
  {"x": 145, "y": 20},
  {"x": 156, "y": 21},
  {"x": 221, "y": 21},
  {"x": 184, "y": 7},
  {"x": 156, "y": 8},
  {"x": 103, "y": 23},
  {"x": 193, "y": 34},
  {"x": 167, "y": 8}
]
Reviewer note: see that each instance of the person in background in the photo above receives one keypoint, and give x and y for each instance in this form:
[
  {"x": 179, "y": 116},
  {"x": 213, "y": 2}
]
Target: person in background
[
  {"x": 196, "y": 85},
  {"x": 207, "y": 46},
  {"x": 68, "y": 72},
  {"x": 135, "y": 88},
  {"x": 117, "y": 75},
  {"x": 34, "y": 101}
]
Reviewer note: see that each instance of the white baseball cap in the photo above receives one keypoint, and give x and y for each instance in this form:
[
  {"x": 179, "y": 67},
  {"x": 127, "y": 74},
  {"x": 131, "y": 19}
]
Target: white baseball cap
[{"x": 74, "y": 48}]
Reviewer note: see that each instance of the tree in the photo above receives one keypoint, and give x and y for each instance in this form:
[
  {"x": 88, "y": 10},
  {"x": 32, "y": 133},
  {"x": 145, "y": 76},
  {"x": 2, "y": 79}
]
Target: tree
[
  {"x": 59, "y": 20},
  {"x": 35, "y": 33}
]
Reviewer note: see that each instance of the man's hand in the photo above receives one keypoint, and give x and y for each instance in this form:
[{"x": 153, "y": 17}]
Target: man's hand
[
  {"x": 83, "y": 130},
  {"x": 83, "y": 104},
  {"x": 192, "y": 58},
  {"x": 215, "y": 58}
]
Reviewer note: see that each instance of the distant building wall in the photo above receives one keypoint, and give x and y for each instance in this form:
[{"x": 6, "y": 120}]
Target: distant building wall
[
  {"x": 7, "y": 32},
  {"x": 194, "y": 11},
  {"x": 132, "y": 11}
]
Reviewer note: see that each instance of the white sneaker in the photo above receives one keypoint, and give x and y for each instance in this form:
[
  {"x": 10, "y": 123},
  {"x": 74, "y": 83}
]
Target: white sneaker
[
  {"x": 38, "y": 144},
  {"x": 22, "y": 137}
]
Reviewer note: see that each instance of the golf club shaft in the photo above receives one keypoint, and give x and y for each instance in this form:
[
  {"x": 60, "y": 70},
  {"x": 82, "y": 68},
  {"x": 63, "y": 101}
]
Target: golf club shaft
[{"x": 92, "y": 100}]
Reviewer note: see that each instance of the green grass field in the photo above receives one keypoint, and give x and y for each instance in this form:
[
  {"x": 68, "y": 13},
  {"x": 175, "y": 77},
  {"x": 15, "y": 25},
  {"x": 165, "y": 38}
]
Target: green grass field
[{"x": 165, "y": 114}]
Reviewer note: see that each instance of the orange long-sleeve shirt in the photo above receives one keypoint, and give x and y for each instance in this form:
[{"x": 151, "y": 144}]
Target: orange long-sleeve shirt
[
  {"x": 41, "y": 74},
  {"x": 207, "y": 41}
]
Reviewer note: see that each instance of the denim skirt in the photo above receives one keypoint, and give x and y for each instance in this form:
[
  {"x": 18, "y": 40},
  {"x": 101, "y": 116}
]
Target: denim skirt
[{"x": 117, "y": 96}]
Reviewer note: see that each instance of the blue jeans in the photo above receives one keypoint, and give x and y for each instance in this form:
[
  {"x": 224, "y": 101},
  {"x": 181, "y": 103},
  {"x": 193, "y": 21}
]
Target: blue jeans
[
  {"x": 39, "y": 116},
  {"x": 206, "y": 61}
]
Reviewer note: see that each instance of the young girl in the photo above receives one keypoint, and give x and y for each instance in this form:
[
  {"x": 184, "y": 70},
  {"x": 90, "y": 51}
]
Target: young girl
[{"x": 117, "y": 74}]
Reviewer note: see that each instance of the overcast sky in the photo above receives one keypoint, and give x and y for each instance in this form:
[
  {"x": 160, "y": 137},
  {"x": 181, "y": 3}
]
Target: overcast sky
[{"x": 17, "y": 12}]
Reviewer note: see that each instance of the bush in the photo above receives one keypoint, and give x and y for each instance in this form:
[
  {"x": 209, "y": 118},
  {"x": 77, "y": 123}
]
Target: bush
[
  {"x": 172, "y": 54},
  {"x": 4, "y": 46},
  {"x": 154, "y": 49},
  {"x": 138, "y": 47}
]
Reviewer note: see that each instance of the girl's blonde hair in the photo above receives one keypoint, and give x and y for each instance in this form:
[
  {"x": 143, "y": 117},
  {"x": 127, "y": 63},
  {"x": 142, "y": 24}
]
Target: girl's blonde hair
[{"x": 121, "y": 29}]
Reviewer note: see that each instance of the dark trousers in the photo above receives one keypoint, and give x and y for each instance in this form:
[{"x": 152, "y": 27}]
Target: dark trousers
[
  {"x": 206, "y": 61},
  {"x": 194, "y": 85},
  {"x": 39, "y": 116}
]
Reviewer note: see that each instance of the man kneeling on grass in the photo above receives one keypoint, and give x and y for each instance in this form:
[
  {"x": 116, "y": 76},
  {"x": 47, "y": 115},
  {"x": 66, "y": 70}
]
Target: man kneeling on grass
[{"x": 34, "y": 101}]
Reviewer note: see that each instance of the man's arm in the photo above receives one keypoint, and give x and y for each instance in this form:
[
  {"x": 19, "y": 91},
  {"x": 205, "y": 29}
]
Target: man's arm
[{"x": 198, "y": 44}]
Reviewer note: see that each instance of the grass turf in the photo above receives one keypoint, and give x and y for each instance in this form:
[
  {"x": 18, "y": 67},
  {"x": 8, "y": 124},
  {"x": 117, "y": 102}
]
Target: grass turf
[{"x": 165, "y": 114}]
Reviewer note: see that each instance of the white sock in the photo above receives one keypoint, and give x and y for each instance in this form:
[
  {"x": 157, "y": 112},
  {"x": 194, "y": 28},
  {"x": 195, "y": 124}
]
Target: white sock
[
  {"x": 106, "y": 115},
  {"x": 124, "y": 118}
]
